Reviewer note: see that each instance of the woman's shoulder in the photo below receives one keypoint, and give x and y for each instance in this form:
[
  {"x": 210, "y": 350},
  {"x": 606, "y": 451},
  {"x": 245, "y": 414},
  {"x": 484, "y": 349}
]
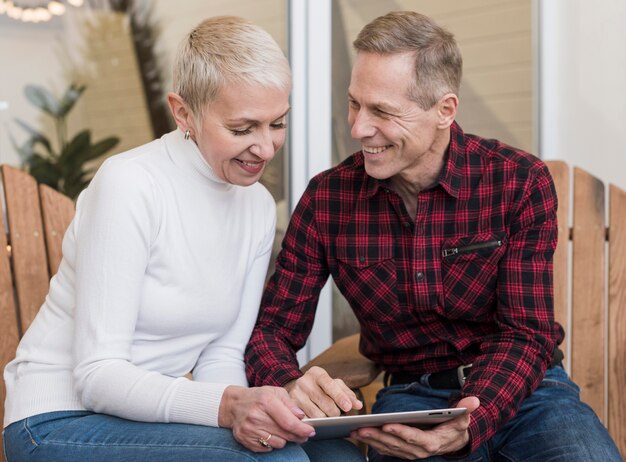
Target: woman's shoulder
[{"x": 135, "y": 165}]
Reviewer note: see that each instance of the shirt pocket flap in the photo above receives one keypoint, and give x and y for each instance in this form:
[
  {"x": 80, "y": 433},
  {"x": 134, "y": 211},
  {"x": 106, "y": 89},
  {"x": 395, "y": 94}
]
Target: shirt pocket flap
[{"x": 363, "y": 252}]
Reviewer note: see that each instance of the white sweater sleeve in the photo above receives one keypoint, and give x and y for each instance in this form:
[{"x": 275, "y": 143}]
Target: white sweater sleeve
[
  {"x": 118, "y": 219},
  {"x": 223, "y": 359}
]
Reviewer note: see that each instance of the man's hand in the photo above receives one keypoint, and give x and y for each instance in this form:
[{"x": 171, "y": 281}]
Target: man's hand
[
  {"x": 262, "y": 413},
  {"x": 319, "y": 395},
  {"x": 411, "y": 443}
]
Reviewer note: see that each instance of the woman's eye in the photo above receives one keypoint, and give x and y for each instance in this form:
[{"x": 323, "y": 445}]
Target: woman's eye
[
  {"x": 241, "y": 131},
  {"x": 279, "y": 125}
]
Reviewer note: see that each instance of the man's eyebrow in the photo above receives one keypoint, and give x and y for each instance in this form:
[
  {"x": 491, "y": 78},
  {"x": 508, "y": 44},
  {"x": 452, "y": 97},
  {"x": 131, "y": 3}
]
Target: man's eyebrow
[{"x": 377, "y": 104}]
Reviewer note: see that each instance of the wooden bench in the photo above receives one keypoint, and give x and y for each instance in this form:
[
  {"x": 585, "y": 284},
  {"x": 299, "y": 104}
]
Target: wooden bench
[
  {"x": 589, "y": 297},
  {"x": 37, "y": 217},
  {"x": 590, "y": 264}
]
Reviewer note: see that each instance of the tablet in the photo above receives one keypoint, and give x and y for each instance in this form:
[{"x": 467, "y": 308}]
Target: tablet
[{"x": 341, "y": 427}]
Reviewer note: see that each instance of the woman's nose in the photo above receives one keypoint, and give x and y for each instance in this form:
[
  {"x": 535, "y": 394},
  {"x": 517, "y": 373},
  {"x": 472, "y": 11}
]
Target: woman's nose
[{"x": 264, "y": 146}]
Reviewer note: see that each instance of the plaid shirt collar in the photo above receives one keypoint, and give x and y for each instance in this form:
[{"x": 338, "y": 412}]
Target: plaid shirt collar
[{"x": 451, "y": 179}]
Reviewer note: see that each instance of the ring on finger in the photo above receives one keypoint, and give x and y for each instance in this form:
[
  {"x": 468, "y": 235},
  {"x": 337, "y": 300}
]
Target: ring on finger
[{"x": 265, "y": 441}]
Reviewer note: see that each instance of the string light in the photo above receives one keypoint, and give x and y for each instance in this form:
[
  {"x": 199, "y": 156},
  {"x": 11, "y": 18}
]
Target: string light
[{"x": 40, "y": 13}]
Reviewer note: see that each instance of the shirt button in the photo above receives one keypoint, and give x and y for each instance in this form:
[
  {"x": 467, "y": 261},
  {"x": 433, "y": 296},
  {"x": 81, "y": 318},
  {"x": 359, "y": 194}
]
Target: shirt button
[
  {"x": 406, "y": 224},
  {"x": 362, "y": 258},
  {"x": 419, "y": 276}
]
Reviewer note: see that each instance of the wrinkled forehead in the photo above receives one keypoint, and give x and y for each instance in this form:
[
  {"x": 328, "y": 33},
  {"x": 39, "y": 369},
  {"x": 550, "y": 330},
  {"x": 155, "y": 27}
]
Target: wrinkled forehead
[{"x": 384, "y": 77}]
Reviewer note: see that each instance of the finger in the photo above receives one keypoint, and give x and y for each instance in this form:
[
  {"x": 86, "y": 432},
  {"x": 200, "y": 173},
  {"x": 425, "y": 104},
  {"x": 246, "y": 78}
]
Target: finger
[
  {"x": 261, "y": 443},
  {"x": 388, "y": 444},
  {"x": 340, "y": 393},
  {"x": 252, "y": 441},
  {"x": 394, "y": 451},
  {"x": 306, "y": 403},
  {"x": 333, "y": 396},
  {"x": 288, "y": 425},
  {"x": 277, "y": 442},
  {"x": 311, "y": 398},
  {"x": 471, "y": 403}
]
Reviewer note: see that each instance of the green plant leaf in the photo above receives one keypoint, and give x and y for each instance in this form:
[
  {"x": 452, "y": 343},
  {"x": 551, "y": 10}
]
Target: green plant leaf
[
  {"x": 42, "y": 99},
  {"x": 71, "y": 96},
  {"x": 36, "y": 135},
  {"x": 102, "y": 147},
  {"x": 74, "y": 183},
  {"x": 75, "y": 151},
  {"x": 44, "y": 171},
  {"x": 64, "y": 171},
  {"x": 25, "y": 151}
]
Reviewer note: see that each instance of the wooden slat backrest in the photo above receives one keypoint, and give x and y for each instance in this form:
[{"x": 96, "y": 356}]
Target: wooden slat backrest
[
  {"x": 37, "y": 219},
  {"x": 57, "y": 210},
  {"x": 588, "y": 281},
  {"x": 617, "y": 317},
  {"x": 28, "y": 249},
  {"x": 9, "y": 335},
  {"x": 560, "y": 174}
]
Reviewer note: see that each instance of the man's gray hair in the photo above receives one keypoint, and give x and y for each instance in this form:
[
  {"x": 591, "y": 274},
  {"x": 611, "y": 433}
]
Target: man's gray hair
[{"x": 438, "y": 61}]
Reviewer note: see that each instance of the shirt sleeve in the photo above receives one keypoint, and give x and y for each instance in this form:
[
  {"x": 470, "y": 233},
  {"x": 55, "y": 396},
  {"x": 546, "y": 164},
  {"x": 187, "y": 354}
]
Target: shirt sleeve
[
  {"x": 118, "y": 219},
  {"x": 288, "y": 305},
  {"x": 513, "y": 361}
]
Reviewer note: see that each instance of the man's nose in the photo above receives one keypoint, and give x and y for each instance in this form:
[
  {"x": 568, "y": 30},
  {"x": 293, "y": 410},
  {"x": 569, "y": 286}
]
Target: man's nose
[{"x": 362, "y": 126}]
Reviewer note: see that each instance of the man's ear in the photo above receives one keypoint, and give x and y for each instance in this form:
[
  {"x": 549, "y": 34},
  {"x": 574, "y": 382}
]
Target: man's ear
[
  {"x": 181, "y": 112},
  {"x": 446, "y": 110}
]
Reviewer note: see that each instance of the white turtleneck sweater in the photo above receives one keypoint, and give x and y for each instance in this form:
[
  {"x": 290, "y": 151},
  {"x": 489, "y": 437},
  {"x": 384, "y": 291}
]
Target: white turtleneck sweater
[{"x": 162, "y": 273}]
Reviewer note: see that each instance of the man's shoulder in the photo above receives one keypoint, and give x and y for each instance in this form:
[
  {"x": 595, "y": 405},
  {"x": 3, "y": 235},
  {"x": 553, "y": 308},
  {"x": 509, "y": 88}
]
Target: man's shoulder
[
  {"x": 348, "y": 174},
  {"x": 499, "y": 152}
]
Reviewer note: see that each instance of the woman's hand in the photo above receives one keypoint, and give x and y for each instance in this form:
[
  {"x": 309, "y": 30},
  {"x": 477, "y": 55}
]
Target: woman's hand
[
  {"x": 262, "y": 414},
  {"x": 319, "y": 395}
]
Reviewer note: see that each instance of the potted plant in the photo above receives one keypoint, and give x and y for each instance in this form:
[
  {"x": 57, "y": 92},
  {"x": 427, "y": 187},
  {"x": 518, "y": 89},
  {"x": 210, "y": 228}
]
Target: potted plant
[{"x": 64, "y": 169}]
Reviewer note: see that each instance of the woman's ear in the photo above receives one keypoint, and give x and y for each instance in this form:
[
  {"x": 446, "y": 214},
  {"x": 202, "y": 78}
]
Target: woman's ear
[
  {"x": 181, "y": 112},
  {"x": 447, "y": 107}
]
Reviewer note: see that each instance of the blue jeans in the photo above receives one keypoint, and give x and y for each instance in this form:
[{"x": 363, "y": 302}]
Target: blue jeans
[
  {"x": 83, "y": 436},
  {"x": 551, "y": 425}
]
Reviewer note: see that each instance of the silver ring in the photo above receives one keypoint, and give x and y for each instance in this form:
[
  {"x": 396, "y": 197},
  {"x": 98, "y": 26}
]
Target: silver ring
[{"x": 265, "y": 441}]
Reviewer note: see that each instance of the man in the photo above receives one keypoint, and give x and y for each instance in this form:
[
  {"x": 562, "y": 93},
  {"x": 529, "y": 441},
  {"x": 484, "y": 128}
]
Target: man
[{"x": 442, "y": 243}]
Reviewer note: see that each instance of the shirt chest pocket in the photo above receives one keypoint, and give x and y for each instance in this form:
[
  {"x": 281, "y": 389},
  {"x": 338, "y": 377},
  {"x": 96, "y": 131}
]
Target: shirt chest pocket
[
  {"x": 469, "y": 267},
  {"x": 365, "y": 273}
]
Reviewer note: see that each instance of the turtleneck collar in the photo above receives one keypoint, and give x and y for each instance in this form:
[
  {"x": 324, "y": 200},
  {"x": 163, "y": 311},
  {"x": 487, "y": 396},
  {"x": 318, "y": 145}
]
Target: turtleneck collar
[{"x": 186, "y": 155}]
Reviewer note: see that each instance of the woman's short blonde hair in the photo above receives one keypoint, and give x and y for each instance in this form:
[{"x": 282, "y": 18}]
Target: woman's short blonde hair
[
  {"x": 438, "y": 61},
  {"x": 226, "y": 50}
]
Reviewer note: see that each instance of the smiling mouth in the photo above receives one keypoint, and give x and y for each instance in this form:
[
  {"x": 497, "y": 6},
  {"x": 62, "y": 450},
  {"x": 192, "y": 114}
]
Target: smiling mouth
[
  {"x": 374, "y": 149},
  {"x": 250, "y": 164},
  {"x": 251, "y": 167}
]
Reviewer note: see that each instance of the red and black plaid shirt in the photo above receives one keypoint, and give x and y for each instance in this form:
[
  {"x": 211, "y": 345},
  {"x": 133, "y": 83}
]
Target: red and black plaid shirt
[{"x": 468, "y": 281}]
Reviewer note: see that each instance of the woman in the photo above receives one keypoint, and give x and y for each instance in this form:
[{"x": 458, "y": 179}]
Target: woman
[{"x": 163, "y": 269}]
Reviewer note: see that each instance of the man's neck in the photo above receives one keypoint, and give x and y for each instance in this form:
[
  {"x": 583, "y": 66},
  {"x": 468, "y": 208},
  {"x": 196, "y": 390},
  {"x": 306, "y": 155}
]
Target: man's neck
[{"x": 410, "y": 183}]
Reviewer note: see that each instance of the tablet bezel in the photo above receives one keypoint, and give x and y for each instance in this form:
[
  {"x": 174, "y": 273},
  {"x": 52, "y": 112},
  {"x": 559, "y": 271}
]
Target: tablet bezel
[{"x": 342, "y": 426}]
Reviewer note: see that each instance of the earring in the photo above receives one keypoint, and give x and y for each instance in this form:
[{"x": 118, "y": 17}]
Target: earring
[{"x": 187, "y": 134}]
